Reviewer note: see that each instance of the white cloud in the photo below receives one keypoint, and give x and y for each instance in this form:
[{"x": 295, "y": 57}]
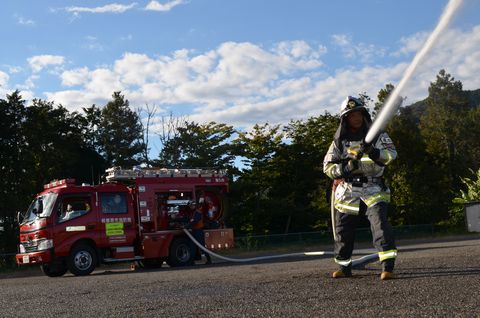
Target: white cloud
[
  {"x": 411, "y": 44},
  {"x": 25, "y": 21},
  {"x": 4, "y": 79},
  {"x": 75, "y": 77},
  {"x": 364, "y": 52},
  {"x": 29, "y": 82},
  {"x": 456, "y": 51},
  {"x": 109, "y": 8},
  {"x": 92, "y": 44},
  {"x": 128, "y": 37},
  {"x": 39, "y": 62},
  {"x": 157, "y": 6},
  {"x": 14, "y": 69},
  {"x": 244, "y": 83},
  {"x": 342, "y": 39}
]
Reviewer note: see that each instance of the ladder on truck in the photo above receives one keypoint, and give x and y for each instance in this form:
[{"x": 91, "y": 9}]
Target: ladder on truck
[{"x": 119, "y": 174}]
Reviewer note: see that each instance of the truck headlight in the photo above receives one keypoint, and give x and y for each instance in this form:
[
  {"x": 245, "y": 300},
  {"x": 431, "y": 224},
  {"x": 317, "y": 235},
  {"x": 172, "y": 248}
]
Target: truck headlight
[
  {"x": 22, "y": 249},
  {"x": 44, "y": 245}
]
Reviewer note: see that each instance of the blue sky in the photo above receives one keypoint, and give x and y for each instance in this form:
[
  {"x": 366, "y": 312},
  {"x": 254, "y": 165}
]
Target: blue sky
[{"x": 235, "y": 62}]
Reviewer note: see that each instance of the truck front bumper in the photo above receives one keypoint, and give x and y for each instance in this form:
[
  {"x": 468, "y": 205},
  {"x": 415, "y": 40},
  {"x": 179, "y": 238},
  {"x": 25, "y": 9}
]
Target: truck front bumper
[{"x": 34, "y": 257}]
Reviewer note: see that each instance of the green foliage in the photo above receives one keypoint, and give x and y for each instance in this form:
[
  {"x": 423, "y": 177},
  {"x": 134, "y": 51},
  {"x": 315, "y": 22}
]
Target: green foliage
[
  {"x": 473, "y": 189},
  {"x": 283, "y": 188},
  {"x": 471, "y": 194},
  {"x": 39, "y": 143},
  {"x": 199, "y": 146},
  {"x": 253, "y": 201},
  {"x": 382, "y": 97},
  {"x": 120, "y": 132},
  {"x": 444, "y": 128}
]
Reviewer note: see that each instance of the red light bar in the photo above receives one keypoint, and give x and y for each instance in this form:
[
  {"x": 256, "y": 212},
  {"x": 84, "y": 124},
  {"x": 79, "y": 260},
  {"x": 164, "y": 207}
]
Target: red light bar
[{"x": 59, "y": 183}]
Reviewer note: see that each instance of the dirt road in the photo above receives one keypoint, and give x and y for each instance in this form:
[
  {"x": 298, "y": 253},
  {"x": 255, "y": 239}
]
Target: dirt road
[{"x": 432, "y": 280}]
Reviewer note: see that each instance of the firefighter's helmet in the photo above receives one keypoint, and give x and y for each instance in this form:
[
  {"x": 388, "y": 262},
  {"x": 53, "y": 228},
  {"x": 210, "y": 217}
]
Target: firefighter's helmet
[{"x": 351, "y": 104}]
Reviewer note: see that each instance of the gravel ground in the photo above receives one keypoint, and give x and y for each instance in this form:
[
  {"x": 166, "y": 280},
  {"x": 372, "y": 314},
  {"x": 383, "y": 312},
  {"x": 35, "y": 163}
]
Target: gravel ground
[{"x": 437, "y": 279}]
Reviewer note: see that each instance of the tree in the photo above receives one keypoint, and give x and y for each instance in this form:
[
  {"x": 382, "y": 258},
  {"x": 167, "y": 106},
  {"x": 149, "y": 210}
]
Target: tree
[
  {"x": 283, "y": 187},
  {"x": 121, "y": 133},
  {"x": 443, "y": 127},
  {"x": 15, "y": 179},
  {"x": 199, "y": 146},
  {"x": 412, "y": 180},
  {"x": 91, "y": 123},
  {"x": 303, "y": 162},
  {"x": 39, "y": 143},
  {"x": 150, "y": 112},
  {"x": 255, "y": 209},
  {"x": 382, "y": 97}
]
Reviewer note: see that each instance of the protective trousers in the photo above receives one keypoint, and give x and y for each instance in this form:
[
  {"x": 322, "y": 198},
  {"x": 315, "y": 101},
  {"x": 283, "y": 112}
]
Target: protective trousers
[
  {"x": 199, "y": 236},
  {"x": 382, "y": 233}
]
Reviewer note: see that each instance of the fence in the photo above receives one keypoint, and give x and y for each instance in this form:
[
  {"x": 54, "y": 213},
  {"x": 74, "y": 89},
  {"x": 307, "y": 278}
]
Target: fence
[{"x": 252, "y": 242}]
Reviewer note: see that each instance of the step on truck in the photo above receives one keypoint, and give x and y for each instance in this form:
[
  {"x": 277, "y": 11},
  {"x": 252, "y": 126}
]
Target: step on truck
[{"x": 136, "y": 215}]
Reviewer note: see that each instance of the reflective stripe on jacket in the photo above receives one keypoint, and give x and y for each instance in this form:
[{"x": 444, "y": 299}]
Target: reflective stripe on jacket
[{"x": 348, "y": 195}]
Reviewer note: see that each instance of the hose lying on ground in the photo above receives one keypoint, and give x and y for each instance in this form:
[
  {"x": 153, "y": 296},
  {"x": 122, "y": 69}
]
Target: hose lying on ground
[{"x": 358, "y": 262}]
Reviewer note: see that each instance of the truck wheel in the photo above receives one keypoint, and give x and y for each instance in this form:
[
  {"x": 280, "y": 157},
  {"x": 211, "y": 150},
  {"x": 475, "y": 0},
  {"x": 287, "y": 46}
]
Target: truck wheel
[
  {"x": 180, "y": 253},
  {"x": 54, "y": 269},
  {"x": 82, "y": 260}
]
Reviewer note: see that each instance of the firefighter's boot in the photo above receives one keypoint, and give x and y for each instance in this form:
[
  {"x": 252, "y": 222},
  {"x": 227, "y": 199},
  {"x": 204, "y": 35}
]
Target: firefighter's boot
[
  {"x": 387, "y": 271},
  {"x": 343, "y": 271},
  {"x": 386, "y": 275}
]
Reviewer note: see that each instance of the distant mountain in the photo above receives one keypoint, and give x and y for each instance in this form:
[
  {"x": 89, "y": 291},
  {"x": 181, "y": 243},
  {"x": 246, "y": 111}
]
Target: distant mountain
[{"x": 416, "y": 110}]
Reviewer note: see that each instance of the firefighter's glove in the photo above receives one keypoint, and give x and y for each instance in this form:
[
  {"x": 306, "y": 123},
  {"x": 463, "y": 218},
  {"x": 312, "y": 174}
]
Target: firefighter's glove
[
  {"x": 353, "y": 152},
  {"x": 349, "y": 167},
  {"x": 370, "y": 150}
]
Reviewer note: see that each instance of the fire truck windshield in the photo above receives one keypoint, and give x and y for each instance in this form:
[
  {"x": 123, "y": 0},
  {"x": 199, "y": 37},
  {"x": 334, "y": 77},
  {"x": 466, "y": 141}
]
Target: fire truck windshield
[{"x": 41, "y": 207}]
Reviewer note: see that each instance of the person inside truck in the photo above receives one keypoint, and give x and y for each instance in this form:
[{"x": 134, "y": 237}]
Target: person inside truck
[{"x": 68, "y": 213}]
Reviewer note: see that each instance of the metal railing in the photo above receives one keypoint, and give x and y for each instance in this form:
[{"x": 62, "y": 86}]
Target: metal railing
[{"x": 325, "y": 237}]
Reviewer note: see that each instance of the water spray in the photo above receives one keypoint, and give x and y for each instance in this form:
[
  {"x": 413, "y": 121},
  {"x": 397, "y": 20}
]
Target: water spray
[{"x": 394, "y": 101}]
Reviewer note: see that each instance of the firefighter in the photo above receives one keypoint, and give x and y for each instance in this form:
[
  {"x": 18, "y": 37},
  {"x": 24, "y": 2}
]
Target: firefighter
[
  {"x": 209, "y": 210},
  {"x": 357, "y": 170},
  {"x": 197, "y": 225}
]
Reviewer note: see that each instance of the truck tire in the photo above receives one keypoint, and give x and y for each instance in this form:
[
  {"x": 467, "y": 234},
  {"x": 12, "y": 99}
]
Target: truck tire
[
  {"x": 82, "y": 260},
  {"x": 180, "y": 253},
  {"x": 54, "y": 269}
]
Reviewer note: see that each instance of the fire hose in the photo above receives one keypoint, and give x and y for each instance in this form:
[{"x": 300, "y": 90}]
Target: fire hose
[
  {"x": 356, "y": 263},
  {"x": 389, "y": 109}
]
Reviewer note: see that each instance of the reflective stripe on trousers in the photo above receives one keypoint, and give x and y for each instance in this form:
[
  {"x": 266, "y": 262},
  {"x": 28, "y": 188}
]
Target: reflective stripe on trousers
[
  {"x": 344, "y": 263},
  {"x": 387, "y": 255}
]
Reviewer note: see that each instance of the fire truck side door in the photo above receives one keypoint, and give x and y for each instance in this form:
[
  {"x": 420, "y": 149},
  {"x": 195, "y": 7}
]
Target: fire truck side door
[
  {"x": 117, "y": 219},
  {"x": 75, "y": 217}
]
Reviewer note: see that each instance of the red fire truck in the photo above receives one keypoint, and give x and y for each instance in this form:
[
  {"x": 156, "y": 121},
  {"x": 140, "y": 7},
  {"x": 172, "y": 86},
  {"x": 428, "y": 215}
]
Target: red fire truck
[{"x": 136, "y": 215}]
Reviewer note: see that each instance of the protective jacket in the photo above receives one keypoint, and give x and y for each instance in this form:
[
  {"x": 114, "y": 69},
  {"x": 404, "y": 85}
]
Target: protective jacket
[
  {"x": 196, "y": 222},
  {"x": 366, "y": 182}
]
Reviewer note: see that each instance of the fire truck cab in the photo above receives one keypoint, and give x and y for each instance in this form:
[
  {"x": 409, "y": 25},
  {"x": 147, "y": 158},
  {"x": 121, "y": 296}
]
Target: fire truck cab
[{"x": 136, "y": 215}]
